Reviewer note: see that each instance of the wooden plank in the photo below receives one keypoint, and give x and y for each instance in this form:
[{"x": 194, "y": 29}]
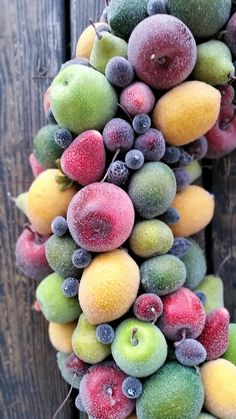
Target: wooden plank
[
  {"x": 32, "y": 49},
  {"x": 224, "y": 226}
]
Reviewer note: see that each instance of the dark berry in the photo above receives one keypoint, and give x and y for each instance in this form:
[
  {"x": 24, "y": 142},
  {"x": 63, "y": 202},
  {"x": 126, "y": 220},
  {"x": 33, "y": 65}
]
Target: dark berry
[
  {"x": 202, "y": 296},
  {"x": 156, "y": 6},
  {"x": 141, "y": 123},
  {"x": 118, "y": 173},
  {"x": 171, "y": 216},
  {"x": 172, "y": 155},
  {"x": 197, "y": 149},
  {"x": 119, "y": 72},
  {"x": 70, "y": 287},
  {"x": 81, "y": 258},
  {"x": 148, "y": 307},
  {"x": 134, "y": 159},
  {"x": 118, "y": 133},
  {"x": 132, "y": 387},
  {"x": 190, "y": 353},
  {"x": 59, "y": 226},
  {"x": 182, "y": 178},
  {"x": 75, "y": 365},
  {"x": 185, "y": 158},
  {"x": 180, "y": 247},
  {"x": 78, "y": 404},
  {"x": 152, "y": 145},
  {"x": 50, "y": 117},
  {"x": 105, "y": 334},
  {"x": 63, "y": 137},
  {"x": 77, "y": 61}
]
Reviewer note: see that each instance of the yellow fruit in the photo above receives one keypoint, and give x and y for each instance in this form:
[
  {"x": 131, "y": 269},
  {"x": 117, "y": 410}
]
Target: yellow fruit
[
  {"x": 186, "y": 112},
  {"x": 46, "y": 201},
  {"x": 86, "y": 40},
  {"x": 60, "y": 336},
  {"x": 196, "y": 208},
  {"x": 109, "y": 286},
  {"x": 219, "y": 381}
]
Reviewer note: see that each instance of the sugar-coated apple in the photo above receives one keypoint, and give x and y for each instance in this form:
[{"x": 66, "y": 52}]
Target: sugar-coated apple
[
  {"x": 82, "y": 99},
  {"x": 100, "y": 217},
  {"x": 139, "y": 348}
]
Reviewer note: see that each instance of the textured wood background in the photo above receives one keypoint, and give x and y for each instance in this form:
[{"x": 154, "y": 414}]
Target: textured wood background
[{"x": 36, "y": 37}]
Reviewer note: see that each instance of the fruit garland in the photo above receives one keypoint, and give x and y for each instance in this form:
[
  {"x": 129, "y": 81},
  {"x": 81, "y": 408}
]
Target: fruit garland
[{"x": 139, "y": 328}]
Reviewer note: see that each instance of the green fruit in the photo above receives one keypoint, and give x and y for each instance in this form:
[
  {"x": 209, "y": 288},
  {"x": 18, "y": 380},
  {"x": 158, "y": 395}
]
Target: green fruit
[
  {"x": 163, "y": 274},
  {"x": 206, "y": 416},
  {"x": 124, "y": 15},
  {"x": 85, "y": 344},
  {"x": 194, "y": 170},
  {"x": 212, "y": 286},
  {"x": 195, "y": 263},
  {"x": 203, "y": 17},
  {"x": 82, "y": 99},
  {"x": 106, "y": 47},
  {"x": 214, "y": 63},
  {"x": 230, "y": 354},
  {"x": 21, "y": 202},
  {"x": 55, "y": 306},
  {"x": 150, "y": 238},
  {"x": 66, "y": 374},
  {"x": 45, "y": 148},
  {"x": 174, "y": 392},
  {"x": 139, "y": 348},
  {"x": 152, "y": 189},
  {"x": 59, "y": 251}
]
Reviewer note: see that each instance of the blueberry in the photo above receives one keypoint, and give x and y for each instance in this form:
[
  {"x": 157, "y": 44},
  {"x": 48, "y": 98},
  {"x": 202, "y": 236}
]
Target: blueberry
[
  {"x": 156, "y": 6},
  {"x": 63, "y": 137},
  {"x": 118, "y": 173},
  {"x": 202, "y": 296},
  {"x": 134, "y": 159},
  {"x": 172, "y": 155},
  {"x": 190, "y": 353},
  {"x": 105, "y": 334},
  {"x": 141, "y": 123},
  {"x": 132, "y": 387},
  {"x": 50, "y": 117},
  {"x": 198, "y": 148},
  {"x": 78, "y": 404},
  {"x": 180, "y": 247},
  {"x": 182, "y": 178},
  {"x": 119, "y": 72},
  {"x": 171, "y": 216},
  {"x": 70, "y": 287},
  {"x": 59, "y": 226},
  {"x": 81, "y": 258},
  {"x": 185, "y": 158}
]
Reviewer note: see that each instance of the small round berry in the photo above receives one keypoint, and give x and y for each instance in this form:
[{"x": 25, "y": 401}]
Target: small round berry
[
  {"x": 118, "y": 173},
  {"x": 172, "y": 155},
  {"x": 119, "y": 72},
  {"x": 81, "y": 258},
  {"x": 202, "y": 296},
  {"x": 190, "y": 353},
  {"x": 185, "y": 158},
  {"x": 59, "y": 226},
  {"x": 118, "y": 133},
  {"x": 180, "y": 247},
  {"x": 197, "y": 149},
  {"x": 70, "y": 287},
  {"x": 148, "y": 307},
  {"x": 152, "y": 145},
  {"x": 155, "y": 7},
  {"x": 78, "y": 404},
  {"x": 63, "y": 137},
  {"x": 141, "y": 123},
  {"x": 170, "y": 216},
  {"x": 50, "y": 117},
  {"x": 105, "y": 334},
  {"x": 182, "y": 178},
  {"x": 132, "y": 387},
  {"x": 134, "y": 159}
]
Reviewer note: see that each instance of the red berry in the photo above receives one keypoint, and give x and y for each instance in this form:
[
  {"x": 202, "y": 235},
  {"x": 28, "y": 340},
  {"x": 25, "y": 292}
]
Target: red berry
[
  {"x": 137, "y": 98},
  {"x": 148, "y": 307}
]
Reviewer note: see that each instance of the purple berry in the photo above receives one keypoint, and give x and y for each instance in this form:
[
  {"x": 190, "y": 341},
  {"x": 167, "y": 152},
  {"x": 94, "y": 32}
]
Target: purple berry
[
  {"x": 59, "y": 226},
  {"x": 105, "y": 334},
  {"x": 81, "y": 258},
  {"x": 63, "y": 137},
  {"x": 190, "y": 353},
  {"x": 185, "y": 158},
  {"x": 141, "y": 123},
  {"x": 118, "y": 134},
  {"x": 152, "y": 145},
  {"x": 197, "y": 149},
  {"x": 70, "y": 287},
  {"x": 182, "y": 178},
  {"x": 134, "y": 159},
  {"x": 172, "y": 155},
  {"x": 132, "y": 387},
  {"x": 170, "y": 216},
  {"x": 119, "y": 72},
  {"x": 202, "y": 296},
  {"x": 156, "y": 6},
  {"x": 180, "y": 247},
  {"x": 118, "y": 173}
]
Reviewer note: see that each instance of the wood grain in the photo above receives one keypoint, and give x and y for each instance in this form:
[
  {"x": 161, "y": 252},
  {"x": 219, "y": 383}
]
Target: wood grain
[{"x": 32, "y": 49}]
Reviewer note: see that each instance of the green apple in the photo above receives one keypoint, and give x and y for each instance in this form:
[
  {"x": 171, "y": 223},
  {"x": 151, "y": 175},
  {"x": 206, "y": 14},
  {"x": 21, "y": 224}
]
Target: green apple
[
  {"x": 139, "y": 348},
  {"x": 81, "y": 99},
  {"x": 230, "y": 354}
]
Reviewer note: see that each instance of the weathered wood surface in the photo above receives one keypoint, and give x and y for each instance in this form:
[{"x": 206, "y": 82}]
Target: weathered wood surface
[{"x": 36, "y": 37}]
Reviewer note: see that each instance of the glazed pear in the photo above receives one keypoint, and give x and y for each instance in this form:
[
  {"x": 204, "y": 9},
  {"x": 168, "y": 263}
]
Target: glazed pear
[
  {"x": 105, "y": 47},
  {"x": 212, "y": 286}
]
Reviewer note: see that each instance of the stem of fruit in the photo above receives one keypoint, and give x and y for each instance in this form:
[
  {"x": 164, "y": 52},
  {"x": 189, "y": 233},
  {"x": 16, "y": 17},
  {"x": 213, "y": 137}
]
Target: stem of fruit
[
  {"x": 154, "y": 312},
  {"x": 67, "y": 397},
  {"x": 114, "y": 158},
  {"x": 158, "y": 60},
  {"x": 37, "y": 236},
  {"x": 222, "y": 264},
  {"x": 134, "y": 340},
  {"x": 126, "y": 113},
  {"x": 94, "y": 27},
  {"x": 177, "y": 344}
]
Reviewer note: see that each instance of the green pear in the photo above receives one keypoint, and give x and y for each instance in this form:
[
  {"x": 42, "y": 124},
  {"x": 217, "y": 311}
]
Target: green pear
[
  {"x": 85, "y": 344},
  {"x": 214, "y": 63},
  {"x": 105, "y": 47},
  {"x": 212, "y": 287},
  {"x": 21, "y": 202},
  {"x": 230, "y": 354},
  {"x": 195, "y": 263}
]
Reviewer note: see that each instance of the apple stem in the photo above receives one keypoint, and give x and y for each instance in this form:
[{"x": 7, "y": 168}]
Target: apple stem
[
  {"x": 94, "y": 27},
  {"x": 37, "y": 236},
  {"x": 177, "y": 344},
  {"x": 126, "y": 113},
  {"x": 67, "y": 397},
  {"x": 109, "y": 391},
  {"x": 134, "y": 340},
  {"x": 158, "y": 60},
  {"x": 153, "y": 310},
  {"x": 222, "y": 264},
  {"x": 114, "y": 158}
]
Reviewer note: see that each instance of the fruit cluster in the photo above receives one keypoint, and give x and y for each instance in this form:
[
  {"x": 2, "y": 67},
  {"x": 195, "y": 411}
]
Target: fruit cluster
[{"x": 139, "y": 328}]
